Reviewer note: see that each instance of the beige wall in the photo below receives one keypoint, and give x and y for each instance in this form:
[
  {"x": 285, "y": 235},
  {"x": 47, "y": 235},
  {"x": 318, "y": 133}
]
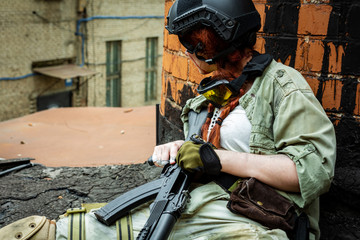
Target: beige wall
[
  {"x": 50, "y": 34},
  {"x": 26, "y": 38},
  {"x": 133, "y": 34}
]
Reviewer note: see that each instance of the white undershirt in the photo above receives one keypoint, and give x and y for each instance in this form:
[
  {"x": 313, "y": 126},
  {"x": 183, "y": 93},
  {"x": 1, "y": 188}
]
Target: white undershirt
[{"x": 234, "y": 131}]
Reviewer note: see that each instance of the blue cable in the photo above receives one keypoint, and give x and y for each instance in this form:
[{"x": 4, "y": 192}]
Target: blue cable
[
  {"x": 78, "y": 33},
  {"x": 17, "y": 78}
]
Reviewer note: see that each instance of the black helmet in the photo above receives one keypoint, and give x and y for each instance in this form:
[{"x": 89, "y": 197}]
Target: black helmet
[{"x": 230, "y": 19}]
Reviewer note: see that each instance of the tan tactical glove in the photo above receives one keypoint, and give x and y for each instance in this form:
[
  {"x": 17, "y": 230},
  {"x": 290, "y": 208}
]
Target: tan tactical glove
[{"x": 198, "y": 156}]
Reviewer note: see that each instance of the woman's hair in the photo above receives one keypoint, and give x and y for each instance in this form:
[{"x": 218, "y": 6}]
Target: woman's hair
[{"x": 212, "y": 45}]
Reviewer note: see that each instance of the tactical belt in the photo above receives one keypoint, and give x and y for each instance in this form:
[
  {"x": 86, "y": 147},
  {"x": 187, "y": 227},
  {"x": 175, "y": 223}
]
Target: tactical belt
[
  {"x": 76, "y": 225},
  {"x": 124, "y": 229}
]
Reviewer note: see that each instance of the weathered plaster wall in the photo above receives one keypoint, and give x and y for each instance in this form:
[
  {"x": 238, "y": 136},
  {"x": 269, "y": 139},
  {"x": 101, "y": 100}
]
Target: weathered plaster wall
[
  {"x": 36, "y": 31},
  {"x": 32, "y": 31},
  {"x": 132, "y": 33},
  {"x": 320, "y": 38}
]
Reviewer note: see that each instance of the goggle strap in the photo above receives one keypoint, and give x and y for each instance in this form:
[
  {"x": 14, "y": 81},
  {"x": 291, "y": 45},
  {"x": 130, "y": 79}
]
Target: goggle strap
[{"x": 219, "y": 55}]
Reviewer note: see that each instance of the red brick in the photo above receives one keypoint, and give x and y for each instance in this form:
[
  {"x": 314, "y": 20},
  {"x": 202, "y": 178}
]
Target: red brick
[
  {"x": 335, "y": 58},
  {"x": 173, "y": 42},
  {"x": 167, "y": 60},
  {"x": 357, "y": 101},
  {"x": 166, "y": 36},
  {"x": 309, "y": 55},
  {"x": 313, "y": 82},
  {"x": 163, "y": 92},
  {"x": 288, "y": 60},
  {"x": 260, "y": 7},
  {"x": 314, "y": 19},
  {"x": 259, "y": 1},
  {"x": 175, "y": 65},
  {"x": 260, "y": 44},
  {"x": 332, "y": 94},
  {"x": 317, "y": 1},
  {"x": 315, "y": 57},
  {"x": 179, "y": 67}
]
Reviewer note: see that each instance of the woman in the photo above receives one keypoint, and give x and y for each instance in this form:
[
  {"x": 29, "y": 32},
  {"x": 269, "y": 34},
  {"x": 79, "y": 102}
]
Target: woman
[
  {"x": 263, "y": 123},
  {"x": 273, "y": 129}
]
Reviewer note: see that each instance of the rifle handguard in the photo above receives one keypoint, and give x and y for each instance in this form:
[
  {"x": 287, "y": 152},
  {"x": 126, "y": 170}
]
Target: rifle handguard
[{"x": 210, "y": 159}]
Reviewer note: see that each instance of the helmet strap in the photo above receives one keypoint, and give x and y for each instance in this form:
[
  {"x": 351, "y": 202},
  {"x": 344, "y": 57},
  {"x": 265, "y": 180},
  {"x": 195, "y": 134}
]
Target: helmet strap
[
  {"x": 242, "y": 42},
  {"x": 223, "y": 53}
]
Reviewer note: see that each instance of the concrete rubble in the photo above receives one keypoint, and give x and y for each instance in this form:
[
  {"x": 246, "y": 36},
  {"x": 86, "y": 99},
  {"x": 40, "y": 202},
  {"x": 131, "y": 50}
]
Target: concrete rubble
[{"x": 49, "y": 192}]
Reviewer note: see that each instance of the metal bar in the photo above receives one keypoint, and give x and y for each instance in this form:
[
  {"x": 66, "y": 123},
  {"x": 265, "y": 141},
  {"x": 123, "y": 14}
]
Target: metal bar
[{"x": 2, "y": 173}]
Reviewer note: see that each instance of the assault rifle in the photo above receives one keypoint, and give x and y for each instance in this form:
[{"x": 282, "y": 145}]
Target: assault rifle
[{"x": 171, "y": 194}]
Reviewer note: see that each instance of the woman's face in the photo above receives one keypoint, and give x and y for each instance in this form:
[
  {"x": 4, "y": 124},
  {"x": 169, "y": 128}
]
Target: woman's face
[{"x": 203, "y": 67}]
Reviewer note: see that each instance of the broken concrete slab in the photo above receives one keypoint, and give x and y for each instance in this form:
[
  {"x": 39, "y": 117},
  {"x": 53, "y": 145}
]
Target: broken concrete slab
[{"x": 51, "y": 191}]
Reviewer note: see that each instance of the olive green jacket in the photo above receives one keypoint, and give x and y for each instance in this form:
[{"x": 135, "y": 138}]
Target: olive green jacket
[{"x": 287, "y": 119}]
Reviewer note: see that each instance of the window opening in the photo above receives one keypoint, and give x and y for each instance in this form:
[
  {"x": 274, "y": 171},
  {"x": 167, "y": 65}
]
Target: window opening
[
  {"x": 113, "y": 74},
  {"x": 151, "y": 68}
]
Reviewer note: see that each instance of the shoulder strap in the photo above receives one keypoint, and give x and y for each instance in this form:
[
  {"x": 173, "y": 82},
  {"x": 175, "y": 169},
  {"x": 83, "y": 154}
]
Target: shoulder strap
[
  {"x": 76, "y": 224},
  {"x": 124, "y": 228},
  {"x": 196, "y": 120}
]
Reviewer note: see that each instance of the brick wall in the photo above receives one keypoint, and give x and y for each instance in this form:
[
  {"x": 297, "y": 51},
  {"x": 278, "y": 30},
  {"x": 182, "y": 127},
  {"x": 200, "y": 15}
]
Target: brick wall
[{"x": 319, "y": 38}]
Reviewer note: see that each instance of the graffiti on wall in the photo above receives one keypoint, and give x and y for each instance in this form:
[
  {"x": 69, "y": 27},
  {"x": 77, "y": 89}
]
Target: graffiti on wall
[{"x": 340, "y": 43}]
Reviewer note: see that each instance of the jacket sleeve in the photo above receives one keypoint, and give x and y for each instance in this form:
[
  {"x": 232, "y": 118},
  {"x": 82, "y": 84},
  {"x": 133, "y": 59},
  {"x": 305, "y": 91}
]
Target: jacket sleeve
[{"x": 303, "y": 131}]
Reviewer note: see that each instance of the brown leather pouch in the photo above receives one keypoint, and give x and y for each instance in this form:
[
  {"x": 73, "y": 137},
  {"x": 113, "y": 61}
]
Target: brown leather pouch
[{"x": 263, "y": 204}]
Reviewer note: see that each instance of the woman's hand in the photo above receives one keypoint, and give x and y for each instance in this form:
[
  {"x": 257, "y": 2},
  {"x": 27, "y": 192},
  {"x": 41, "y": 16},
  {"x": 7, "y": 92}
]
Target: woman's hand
[{"x": 166, "y": 152}]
